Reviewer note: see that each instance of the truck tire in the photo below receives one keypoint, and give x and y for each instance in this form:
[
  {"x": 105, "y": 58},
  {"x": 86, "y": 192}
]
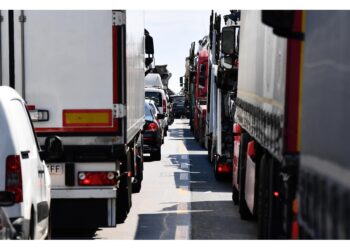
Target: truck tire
[
  {"x": 31, "y": 234},
  {"x": 157, "y": 155},
  {"x": 137, "y": 183},
  {"x": 235, "y": 195},
  {"x": 124, "y": 191},
  {"x": 243, "y": 207},
  {"x": 209, "y": 149},
  {"x": 263, "y": 197}
]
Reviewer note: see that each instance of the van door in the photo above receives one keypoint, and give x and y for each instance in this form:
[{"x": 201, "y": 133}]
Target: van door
[{"x": 33, "y": 169}]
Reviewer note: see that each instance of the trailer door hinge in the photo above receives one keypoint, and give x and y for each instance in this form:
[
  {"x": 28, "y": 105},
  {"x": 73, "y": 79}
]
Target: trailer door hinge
[
  {"x": 119, "y": 110},
  {"x": 22, "y": 18},
  {"x": 119, "y": 17}
]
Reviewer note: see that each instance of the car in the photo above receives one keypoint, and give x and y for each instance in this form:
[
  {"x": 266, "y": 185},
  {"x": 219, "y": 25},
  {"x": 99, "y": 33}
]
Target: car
[
  {"x": 152, "y": 133},
  {"x": 7, "y": 231},
  {"x": 23, "y": 171},
  {"x": 159, "y": 97},
  {"x": 178, "y": 107},
  {"x": 156, "y": 111}
]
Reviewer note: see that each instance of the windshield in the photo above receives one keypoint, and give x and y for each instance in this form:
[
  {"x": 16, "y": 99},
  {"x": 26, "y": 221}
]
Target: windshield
[
  {"x": 179, "y": 99},
  {"x": 155, "y": 96},
  {"x": 148, "y": 113}
]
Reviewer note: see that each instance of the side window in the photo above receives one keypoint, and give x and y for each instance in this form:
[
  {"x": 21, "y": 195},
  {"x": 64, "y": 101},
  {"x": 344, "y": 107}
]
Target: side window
[{"x": 22, "y": 126}]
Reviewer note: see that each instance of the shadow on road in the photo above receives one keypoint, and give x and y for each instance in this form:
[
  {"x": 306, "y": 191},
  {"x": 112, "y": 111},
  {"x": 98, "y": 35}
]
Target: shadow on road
[{"x": 215, "y": 220}]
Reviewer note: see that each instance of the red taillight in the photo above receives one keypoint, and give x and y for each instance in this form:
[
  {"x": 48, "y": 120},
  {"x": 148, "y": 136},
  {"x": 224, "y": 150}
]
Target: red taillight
[
  {"x": 237, "y": 128},
  {"x": 152, "y": 127},
  {"x": 97, "y": 178},
  {"x": 224, "y": 167},
  {"x": 251, "y": 149},
  {"x": 14, "y": 177},
  {"x": 164, "y": 106}
]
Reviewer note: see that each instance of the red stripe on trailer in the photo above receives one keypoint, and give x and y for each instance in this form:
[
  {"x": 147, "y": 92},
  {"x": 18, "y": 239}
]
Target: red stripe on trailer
[
  {"x": 292, "y": 89},
  {"x": 115, "y": 63}
]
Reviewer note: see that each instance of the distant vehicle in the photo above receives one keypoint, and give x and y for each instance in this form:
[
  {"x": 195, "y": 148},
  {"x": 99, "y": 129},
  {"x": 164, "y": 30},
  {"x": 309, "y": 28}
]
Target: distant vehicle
[
  {"x": 152, "y": 137},
  {"x": 178, "y": 105},
  {"x": 7, "y": 231},
  {"x": 22, "y": 168},
  {"x": 159, "y": 97},
  {"x": 156, "y": 111}
]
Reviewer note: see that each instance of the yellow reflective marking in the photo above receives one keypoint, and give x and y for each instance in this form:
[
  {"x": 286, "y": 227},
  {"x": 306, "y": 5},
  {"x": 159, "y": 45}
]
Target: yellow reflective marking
[{"x": 87, "y": 118}]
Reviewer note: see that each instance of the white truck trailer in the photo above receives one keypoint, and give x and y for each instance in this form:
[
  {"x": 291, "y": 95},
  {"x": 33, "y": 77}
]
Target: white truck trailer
[{"x": 82, "y": 74}]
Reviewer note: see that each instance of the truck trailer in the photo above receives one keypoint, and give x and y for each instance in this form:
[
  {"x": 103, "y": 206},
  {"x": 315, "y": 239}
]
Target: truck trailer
[
  {"x": 291, "y": 123},
  {"x": 222, "y": 92},
  {"x": 82, "y": 76}
]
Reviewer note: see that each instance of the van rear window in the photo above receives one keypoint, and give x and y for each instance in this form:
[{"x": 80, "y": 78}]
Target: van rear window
[{"x": 155, "y": 96}]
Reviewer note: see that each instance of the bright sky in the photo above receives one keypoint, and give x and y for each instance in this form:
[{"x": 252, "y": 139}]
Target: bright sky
[{"x": 173, "y": 32}]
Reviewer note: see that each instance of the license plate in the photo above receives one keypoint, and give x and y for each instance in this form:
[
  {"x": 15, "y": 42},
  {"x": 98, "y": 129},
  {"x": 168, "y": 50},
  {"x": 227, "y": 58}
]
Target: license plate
[{"x": 55, "y": 168}]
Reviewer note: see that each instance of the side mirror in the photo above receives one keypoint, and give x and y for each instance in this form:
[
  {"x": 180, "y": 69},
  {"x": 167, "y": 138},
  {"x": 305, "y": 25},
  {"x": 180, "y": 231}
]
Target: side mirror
[
  {"x": 160, "y": 116},
  {"x": 228, "y": 38},
  {"x": 148, "y": 61},
  {"x": 281, "y": 21},
  {"x": 7, "y": 199},
  {"x": 149, "y": 48},
  {"x": 181, "y": 80},
  {"x": 53, "y": 148},
  {"x": 202, "y": 76}
]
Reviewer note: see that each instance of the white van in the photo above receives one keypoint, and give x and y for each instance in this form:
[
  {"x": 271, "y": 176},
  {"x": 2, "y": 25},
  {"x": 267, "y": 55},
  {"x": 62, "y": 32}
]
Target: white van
[
  {"x": 153, "y": 80},
  {"x": 22, "y": 170}
]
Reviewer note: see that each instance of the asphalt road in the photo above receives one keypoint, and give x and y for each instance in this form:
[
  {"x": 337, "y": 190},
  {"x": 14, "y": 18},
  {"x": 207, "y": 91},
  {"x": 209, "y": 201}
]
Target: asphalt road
[{"x": 180, "y": 199}]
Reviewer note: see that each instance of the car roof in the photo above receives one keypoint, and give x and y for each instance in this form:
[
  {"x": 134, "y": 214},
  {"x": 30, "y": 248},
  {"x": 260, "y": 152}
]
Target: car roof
[
  {"x": 154, "y": 90},
  {"x": 7, "y": 93}
]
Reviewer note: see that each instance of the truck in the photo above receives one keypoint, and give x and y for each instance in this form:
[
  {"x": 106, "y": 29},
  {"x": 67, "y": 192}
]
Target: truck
[
  {"x": 82, "y": 76},
  {"x": 266, "y": 150},
  {"x": 195, "y": 87},
  {"x": 222, "y": 92},
  {"x": 292, "y": 174}
]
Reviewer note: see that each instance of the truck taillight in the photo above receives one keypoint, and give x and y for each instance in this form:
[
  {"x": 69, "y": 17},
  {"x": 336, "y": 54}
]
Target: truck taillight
[
  {"x": 152, "y": 127},
  {"x": 14, "y": 177},
  {"x": 97, "y": 178},
  {"x": 164, "y": 106}
]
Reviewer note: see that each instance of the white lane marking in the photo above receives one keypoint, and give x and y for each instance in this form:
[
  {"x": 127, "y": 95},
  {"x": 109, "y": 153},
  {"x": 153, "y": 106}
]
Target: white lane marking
[
  {"x": 184, "y": 176},
  {"x": 182, "y": 208},
  {"x": 185, "y": 166},
  {"x": 182, "y": 232},
  {"x": 184, "y": 157}
]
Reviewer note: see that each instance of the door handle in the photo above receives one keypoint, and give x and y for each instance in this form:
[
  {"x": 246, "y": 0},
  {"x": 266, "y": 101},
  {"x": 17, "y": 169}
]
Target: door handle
[
  {"x": 25, "y": 154},
  {"x": 41, "y": 171}
]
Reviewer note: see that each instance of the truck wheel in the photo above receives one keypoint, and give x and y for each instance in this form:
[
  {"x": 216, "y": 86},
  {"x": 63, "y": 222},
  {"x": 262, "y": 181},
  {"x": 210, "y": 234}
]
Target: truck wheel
[
  {"x": 124, "y": 191},
  {"x": 157, "y": 155},
  {"x": 243, "y": 207},
  {"x": 235, "y": 195},
  {"x": 136, "y": 185},
  {"x": 263, "y": 198},
  {"x": 209, "y": 149},
  {"x": 49, "y": 227},
  {"x": 31, "y": 235}
]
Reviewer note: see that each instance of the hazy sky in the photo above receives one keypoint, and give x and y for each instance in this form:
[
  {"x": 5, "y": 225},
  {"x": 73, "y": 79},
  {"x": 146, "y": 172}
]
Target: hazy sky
[{"x": 173, "y": 32}]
